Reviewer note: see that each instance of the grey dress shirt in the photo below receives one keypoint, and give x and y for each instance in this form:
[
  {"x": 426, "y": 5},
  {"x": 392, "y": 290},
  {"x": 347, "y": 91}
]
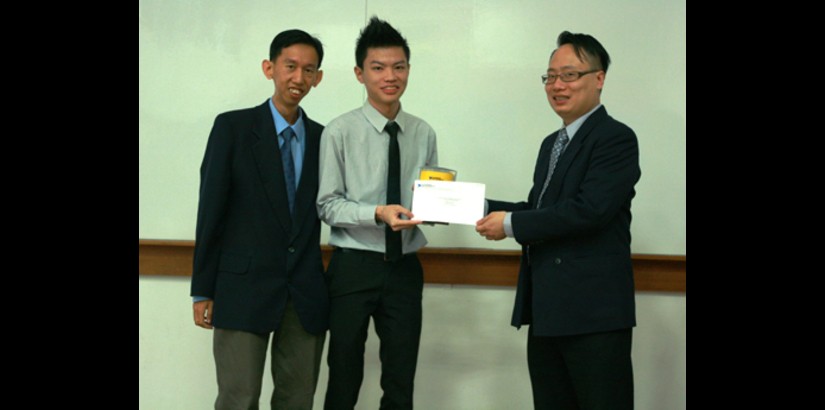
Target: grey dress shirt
[{"x": 353, "y": 175}]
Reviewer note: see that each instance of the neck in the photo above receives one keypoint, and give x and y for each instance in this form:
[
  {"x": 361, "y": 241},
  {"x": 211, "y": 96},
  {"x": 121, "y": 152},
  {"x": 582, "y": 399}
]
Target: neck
[
  {"x": 389, "y": 111},
  {"x": 290, "y": 114}
]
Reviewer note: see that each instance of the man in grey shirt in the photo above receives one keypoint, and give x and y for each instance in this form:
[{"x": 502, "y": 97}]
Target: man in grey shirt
[{"x": 369, "y": 159}]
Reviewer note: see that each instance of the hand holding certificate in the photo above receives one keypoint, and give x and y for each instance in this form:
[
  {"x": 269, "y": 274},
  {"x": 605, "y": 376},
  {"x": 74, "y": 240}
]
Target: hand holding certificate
[{"x": 448, "y": 202}]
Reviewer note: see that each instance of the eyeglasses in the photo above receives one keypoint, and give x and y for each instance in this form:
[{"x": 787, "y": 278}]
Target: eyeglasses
[{"x": 567, "y": 76}]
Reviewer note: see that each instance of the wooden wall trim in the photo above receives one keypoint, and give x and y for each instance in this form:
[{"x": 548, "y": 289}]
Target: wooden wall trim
[{"x": 458, "y": 266}]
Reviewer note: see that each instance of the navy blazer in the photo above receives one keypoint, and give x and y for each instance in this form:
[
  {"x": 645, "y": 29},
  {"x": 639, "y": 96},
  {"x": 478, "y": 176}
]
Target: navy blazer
[
  {"x": 250, "y": 254},
  {"x": 576, "y": 275}
]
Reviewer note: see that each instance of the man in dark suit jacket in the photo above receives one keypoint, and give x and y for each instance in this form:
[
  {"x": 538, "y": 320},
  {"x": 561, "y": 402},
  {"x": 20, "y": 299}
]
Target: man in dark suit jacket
[
  {"x": 257, "y": 265},
  {"x": 575, "y": 286}
]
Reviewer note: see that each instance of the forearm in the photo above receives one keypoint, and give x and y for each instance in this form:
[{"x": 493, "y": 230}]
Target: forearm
[{"x": 335, "y": 210}]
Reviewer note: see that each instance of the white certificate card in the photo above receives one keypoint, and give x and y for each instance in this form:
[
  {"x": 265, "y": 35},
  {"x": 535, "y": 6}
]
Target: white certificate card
[{"x": 448, "y": 202}]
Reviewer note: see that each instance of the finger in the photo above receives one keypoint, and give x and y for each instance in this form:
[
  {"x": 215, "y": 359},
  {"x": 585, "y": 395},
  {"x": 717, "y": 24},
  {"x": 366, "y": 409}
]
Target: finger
[
  {"x": 398, "y": 211},
  {"x": 404, "y": 224},
  {"x": 204, "y": 323},
  {"x": 208, "y": 318},
  {"x": 203, "y": 314},
  {"x": 198, "y": 312}
]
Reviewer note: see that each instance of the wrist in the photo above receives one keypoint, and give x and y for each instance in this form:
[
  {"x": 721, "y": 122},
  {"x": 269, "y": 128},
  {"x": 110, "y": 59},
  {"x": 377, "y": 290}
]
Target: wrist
[{"x": 378, "y": 211}]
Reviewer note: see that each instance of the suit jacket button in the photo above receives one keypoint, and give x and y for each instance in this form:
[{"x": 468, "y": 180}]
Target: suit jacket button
[
  {"x": 291, "y": 250},
  {"x": 558, "y": 261}
]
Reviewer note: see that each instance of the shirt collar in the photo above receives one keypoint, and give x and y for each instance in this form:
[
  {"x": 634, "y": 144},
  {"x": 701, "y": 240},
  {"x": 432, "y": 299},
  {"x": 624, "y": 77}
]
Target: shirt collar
[
  {"x": 281, "y": 123},
  {"x": 575, "y": 125},
  {"x": 379, "y": 121}
]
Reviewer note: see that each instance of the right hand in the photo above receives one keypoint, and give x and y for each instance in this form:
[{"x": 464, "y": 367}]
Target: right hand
[
  {"x": 492, "y": 226},
  {"x": 203, "y": 313}
]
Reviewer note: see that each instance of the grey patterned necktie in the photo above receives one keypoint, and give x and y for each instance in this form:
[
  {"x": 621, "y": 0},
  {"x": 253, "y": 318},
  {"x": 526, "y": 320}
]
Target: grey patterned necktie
[{"x": 558, "y": 148}]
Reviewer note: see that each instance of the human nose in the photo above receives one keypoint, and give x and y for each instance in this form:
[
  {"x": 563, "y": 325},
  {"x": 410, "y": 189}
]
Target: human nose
[
  {"x": 391, "y": 75},
  {"x": 556, "y": 84},
  {"x": 298, "y": 76}
]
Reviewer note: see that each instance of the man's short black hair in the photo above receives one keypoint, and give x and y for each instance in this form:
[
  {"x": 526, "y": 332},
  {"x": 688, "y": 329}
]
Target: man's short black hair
[
  {"x": 587, "y": 49},
  {"x": 287, "y": 38},
  {"x": 378, "y": 33}
]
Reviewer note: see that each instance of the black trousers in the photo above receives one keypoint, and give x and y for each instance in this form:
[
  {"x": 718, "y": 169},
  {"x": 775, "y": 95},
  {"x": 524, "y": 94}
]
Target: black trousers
[
  {"x": 581, "y": 372},
  {"x": 362, "y": 286}
]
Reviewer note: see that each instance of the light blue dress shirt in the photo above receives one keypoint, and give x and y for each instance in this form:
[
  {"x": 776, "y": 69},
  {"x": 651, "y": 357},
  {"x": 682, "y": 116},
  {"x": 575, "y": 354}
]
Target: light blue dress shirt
[{"x": 298, "y": 144}]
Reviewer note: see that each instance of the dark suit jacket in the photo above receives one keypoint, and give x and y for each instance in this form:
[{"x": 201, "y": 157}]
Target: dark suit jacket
[
  {"x": 249, "y": 253},
  {"x": 576, "y": 275}
]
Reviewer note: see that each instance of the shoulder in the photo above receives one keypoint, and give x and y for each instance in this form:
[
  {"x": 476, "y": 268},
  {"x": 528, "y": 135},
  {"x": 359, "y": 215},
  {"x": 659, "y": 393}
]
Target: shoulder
[
  {"x": 311, "y": 125},
  {"x": 418, "y": 126},
  {"x": 416, "y": 121},
  {"x": 238, "y": 117},
  {"x": 345, "y": 121},
  {"x": 606, "y": 123},
  {"x": 231, "y": 127},
  {"x": 243, "y": 112}
]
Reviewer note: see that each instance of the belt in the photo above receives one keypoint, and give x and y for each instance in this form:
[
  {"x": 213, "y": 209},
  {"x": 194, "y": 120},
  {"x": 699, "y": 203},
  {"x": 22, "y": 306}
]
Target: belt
[{"x": 369, "y": 254}]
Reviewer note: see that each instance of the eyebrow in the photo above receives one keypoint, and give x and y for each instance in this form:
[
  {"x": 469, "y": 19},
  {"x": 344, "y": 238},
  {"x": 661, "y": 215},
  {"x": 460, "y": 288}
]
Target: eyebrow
[
  {"x": 382, "y": 64},
  {"x": 291, "y": 61},
  {"x": 567, "y": 67}
]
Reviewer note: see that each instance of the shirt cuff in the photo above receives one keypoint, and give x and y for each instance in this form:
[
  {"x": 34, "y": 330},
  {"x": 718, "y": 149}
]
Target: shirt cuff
[
  {"x": 366, "y": 215},
  {"x": 196, "y": 299},
  {"x": 508, "y": 225}
]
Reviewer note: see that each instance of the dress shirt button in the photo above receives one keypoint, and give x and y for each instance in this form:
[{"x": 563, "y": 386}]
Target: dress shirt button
[
  {"x": 291, "y": 250},
  {"x": 558, "y": 261}
]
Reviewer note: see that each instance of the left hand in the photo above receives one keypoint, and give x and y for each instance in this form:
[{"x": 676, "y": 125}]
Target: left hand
[
  {"x": 391, "y": 215},
  {"x": 492, "y": 226}
]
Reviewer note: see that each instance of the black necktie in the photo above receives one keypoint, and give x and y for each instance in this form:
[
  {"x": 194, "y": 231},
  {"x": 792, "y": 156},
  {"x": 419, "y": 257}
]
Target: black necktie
[
  {"x": 289, "y": 166},
  {"x": 393, "y": 250}
]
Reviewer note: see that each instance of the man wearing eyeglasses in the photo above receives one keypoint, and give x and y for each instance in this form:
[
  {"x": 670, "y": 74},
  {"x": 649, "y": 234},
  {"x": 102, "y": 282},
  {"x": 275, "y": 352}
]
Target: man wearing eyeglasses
[{"x": 575, "y": 286}]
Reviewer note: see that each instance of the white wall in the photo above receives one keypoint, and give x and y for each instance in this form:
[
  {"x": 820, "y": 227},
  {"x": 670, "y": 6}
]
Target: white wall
[
  {"x": 475, "y": 69},
  {"x": 470, "y": 357}
]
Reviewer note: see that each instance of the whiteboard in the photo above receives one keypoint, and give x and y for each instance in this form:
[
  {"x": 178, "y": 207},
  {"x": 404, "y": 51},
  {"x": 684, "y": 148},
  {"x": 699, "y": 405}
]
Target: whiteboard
[{"x": 474, "y": 77}]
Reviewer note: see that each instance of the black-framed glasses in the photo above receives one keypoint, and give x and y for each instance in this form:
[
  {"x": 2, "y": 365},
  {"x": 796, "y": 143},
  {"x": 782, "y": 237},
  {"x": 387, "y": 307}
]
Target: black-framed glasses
[{"x": 566, "y": 76}]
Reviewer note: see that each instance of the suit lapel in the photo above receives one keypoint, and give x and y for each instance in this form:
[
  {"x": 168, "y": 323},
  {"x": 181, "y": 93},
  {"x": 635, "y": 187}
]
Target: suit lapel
[
  {"x": 270, "y": 168},
  {"x": 307, "y": 191},
  {"x": 569, "y": 155}
]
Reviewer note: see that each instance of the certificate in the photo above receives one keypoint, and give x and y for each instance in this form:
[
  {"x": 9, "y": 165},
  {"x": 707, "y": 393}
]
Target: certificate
[{"x": 448, "y": 202}]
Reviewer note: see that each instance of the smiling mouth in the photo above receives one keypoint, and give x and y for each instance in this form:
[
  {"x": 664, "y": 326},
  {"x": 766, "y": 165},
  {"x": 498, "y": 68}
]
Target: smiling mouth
[{"x": 295, "y": 91}]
